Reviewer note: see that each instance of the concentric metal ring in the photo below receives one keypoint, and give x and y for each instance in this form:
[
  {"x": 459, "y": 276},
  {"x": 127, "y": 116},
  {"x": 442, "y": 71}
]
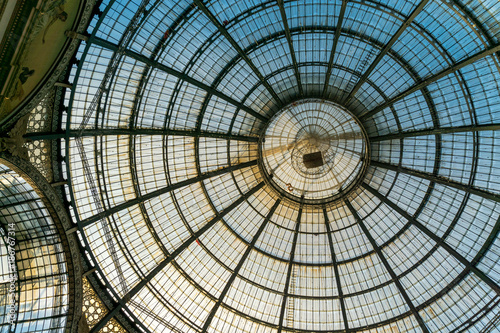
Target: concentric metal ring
[{"x": 313, "y": 151}]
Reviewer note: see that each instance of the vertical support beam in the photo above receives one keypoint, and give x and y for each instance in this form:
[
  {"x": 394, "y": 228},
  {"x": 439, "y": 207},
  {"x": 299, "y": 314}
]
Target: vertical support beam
[
  {"x": 386, "y": 49},
  {"x": 281, "y": 5},
  {"x": 238, "y": 267},
  {"x": 235, "y": 45},
  {"x": 338, "y": 30},
  {"x": 336, "y": 270},
  {"x": 289, "y": 272},
  {"x": 439, "y": 241},
  {"x": 122, "y": 302},
  {"x": 388, "y": 267}
]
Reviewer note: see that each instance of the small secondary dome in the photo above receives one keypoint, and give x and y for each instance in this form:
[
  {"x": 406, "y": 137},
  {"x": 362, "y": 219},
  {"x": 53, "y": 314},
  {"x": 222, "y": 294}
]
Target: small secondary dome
[{"x": 314, "y": 150}]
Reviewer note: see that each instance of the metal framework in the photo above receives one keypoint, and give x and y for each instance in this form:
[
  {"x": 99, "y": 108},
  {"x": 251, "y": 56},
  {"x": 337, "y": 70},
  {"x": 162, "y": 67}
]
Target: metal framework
[
  {"x": 172, "y": 256},
  {"x": 281, "y": 5},
  {"x": 243, "y": 258},
  {"x": 184, "y": 77},
  {"x": 147, "y": 196},
  {"x": 336, "y": 269},
  {"x": 333, "y": 52},
  {"x": 138, "y": 131},
  {"x": 242, "y": 54},
  {"x": 459, "y": 65},
  {"x": 385, "y": 49},
  {"x": 42, "y": 264},
  {"x": 182, "y": 145},
  {"x": 434, "y": 131},
  {"x": 440, "y": 180},
  {"x": 289, "y": 272},
  {"x": 387, "y": 267},
  {"x": 438, "y": 240}
]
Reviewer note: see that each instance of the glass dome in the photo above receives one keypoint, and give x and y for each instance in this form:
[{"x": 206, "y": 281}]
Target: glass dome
[
  {"x": 313, "y": 151},
  {"x": 290, "y": 166}
]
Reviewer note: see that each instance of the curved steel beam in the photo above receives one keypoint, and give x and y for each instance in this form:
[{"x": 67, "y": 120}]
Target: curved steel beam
[
  {"x": 238, "y": 267},
  {"x": 154, "y": 64},
  {"x": 338, "y": 30},
  {"x": 122, "y": 302},
  {"x": 336, "y": 270},
  {"x": 235, "y": 45},
  {"x": 439, "y": 179},
  {"x": 284, "y": 19},
  {"x": 459, "y": 65},
  {"x": 388, "y": 267},
  {"x": 240, "y": 105},
  {"x": 150, "y": 195},
  {"x": 440, "y": 241},
  {"x": 138, "y": 131},
  {"x": 289, "y": 272},
  {"x": 386, "y": 49},
  {"x": 433, "y": 131}
]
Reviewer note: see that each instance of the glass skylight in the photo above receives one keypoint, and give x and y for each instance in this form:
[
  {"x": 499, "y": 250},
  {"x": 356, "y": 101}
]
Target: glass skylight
[
  {"x": 189, "y": 130},
  {"x": 40, "y": 276}
]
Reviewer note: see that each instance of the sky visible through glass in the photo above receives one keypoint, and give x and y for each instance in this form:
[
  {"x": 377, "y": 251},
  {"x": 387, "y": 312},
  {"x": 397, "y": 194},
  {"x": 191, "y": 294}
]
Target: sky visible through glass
[{"x": 169, "y": 103}]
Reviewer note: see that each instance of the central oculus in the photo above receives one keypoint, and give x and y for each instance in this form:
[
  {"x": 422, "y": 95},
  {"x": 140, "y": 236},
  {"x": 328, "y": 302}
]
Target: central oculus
[
  {"x": 313, "y": 160},
  {"x": 313, "y": 151}
]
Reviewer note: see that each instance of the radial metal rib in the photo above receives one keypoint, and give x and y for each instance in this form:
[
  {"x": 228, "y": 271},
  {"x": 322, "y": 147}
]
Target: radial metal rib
[
  {"x": 171, "y": 257},
  {"x": 386, "y": 49},
  {"x": 150, "y": 195}
]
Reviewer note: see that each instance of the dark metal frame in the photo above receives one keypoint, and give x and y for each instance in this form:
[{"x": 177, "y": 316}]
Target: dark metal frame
[
  {"x": 336, "y": 270},
  {"x": 110, "y": 211},
  {"x": 385, "y": 49},
  {"x": 235, "y": 45},
  {"x": 289, "y": 272},
  {"x": 457, "y": 66},
  {"x": 236, "y": 270},
  {"x": 172, "y": 257},
  {"x": 281, "y": 5},
  {"x": 333, "y": 52},
  {"x": 182, "y": 76},
  {"x": 388, "y": 267},
  {"x": 67, "y": 241},
  {"x": 440, "y": 241},
  {"x": 432, "y": 177},
  {"x": 138, "y": 131},
  {"x": 434, "y": 131},
  {"x": 240, "y": 106}
]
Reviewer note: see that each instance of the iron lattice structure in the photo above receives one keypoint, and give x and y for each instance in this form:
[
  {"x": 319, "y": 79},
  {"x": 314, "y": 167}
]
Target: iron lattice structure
[{"x": 163, "y": 154}]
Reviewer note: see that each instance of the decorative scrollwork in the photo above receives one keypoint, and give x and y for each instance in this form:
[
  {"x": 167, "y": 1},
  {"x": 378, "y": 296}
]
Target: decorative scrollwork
[
  {"x": 40, "y": 120},
  {"x": 93, "y": 309}
]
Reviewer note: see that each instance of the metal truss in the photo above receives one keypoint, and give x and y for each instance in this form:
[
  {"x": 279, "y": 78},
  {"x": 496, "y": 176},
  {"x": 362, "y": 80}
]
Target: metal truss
[
  {"x": 386, "y": 49},
  {"x": 438, "y": 179},
  {"x": 172, "y": 257}
]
